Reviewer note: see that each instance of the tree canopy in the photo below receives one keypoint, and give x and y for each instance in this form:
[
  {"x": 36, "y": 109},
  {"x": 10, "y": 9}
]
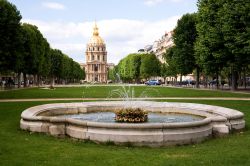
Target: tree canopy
[
  {"x": 150, "y": 66},
  {"x": 24, "y": 50},
  {"x": 184, "y": 37},
  {"x": 135, "y": 66},
  {"x": 223, "y": 36},
  {"x": 9, "y": 36}
]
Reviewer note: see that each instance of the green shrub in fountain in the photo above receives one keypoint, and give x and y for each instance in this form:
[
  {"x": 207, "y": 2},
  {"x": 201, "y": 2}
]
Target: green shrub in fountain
[{"x": 131, "y": 115}]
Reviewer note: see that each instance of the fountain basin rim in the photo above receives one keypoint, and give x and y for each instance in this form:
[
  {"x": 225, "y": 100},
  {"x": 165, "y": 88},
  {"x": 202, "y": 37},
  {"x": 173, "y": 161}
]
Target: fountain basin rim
[
  {"x": 32, "y": 113},
  {"x": 217, "y": 121},
  {"x": 119, "y": 125}
]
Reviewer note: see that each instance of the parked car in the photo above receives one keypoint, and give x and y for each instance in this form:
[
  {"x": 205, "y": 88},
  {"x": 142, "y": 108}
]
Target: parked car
[
  {"x": 212, "y": 83},
  {"x": 188, "y": 82},
  {"x": 153, "y": 82}
]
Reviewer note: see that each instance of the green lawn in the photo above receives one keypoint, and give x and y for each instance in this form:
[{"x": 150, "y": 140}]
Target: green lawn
[
  {"x": 106, "y": 91},
  {"x": 19, "y": 147}
]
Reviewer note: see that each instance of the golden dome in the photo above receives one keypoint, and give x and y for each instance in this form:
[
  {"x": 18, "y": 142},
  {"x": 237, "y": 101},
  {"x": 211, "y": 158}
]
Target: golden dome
[{"x": 96, "y": 39}]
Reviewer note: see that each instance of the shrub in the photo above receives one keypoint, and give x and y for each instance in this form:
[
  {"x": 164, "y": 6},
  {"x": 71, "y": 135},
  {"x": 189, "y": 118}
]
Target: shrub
[{"x": 131, "y": 115}]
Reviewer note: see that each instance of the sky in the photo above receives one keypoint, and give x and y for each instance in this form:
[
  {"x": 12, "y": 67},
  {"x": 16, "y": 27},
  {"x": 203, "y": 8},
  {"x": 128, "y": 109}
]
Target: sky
[{"x": 125, "y": 25}]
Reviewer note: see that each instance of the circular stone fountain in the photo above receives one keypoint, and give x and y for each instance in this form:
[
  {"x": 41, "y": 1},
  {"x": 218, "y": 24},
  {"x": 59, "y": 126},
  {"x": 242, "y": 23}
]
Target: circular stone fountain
[{"x": 65, "y": 119}]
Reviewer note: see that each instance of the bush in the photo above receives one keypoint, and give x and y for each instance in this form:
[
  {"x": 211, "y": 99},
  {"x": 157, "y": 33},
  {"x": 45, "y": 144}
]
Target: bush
[{"x": 131, "y": 115}]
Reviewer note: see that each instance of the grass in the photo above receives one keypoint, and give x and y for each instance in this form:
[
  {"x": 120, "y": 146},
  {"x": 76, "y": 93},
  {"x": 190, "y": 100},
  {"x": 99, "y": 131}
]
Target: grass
[
  {"x": 18, "y": 147},
  {"x": 105, "y": 92}
]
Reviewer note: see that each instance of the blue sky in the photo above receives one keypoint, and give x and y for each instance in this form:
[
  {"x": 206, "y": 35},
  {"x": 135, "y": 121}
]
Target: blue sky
[{"x": 125, "y": 25}]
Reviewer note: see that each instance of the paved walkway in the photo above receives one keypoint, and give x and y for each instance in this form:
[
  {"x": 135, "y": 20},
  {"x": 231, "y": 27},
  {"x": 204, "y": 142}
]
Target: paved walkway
[
  {"x": 241, "y": 90},
  {"x": 117, "y": 99}
]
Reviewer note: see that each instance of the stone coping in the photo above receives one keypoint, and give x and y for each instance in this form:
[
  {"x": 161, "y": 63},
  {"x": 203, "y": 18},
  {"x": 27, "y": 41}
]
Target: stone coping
[
  {"x": 83, "y": 107},
  {"x": 217, "y": 121}
]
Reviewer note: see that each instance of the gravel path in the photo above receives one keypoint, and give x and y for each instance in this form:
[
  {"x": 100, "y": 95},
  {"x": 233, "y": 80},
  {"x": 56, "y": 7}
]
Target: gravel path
[{"x": 150, "y": 98}]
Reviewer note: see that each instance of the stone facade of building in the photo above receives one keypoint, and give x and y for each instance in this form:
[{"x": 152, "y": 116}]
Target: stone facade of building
[
  {"x": 96, "y": 66},
  {"x": 160, "y": 46}
]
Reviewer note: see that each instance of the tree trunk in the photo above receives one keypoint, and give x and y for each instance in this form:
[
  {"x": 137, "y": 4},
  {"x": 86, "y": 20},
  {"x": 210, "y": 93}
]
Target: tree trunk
[
  {"x": 35, "y": 81},
  {"x": 206, "y": 81},
  {"x": 138, "y": 80},
  {"x": 24, "y": 80},
  {"x": 181, "y": 80},
  {"x": 38, "y": 80},
  {"x": 229, "y": 80},
  {"x": 197, "y": 77},
  {"x": 217, "y": 81},
  {"x": 19, "y": 80},
  {"x": 234, "y": 80},
  {"x": 244, "y": 78},
  {"x": 52, "y": 82}
]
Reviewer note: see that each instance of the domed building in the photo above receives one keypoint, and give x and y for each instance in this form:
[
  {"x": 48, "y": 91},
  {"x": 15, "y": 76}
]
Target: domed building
[{"x": 96, "y": 67}]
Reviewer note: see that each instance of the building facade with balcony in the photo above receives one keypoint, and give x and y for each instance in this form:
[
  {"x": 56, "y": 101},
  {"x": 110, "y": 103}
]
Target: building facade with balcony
[{"x": 160, "y": 46}]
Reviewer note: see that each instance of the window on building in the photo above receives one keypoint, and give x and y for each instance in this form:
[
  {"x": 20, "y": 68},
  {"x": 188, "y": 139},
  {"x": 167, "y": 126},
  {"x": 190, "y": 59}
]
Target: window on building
[
  {"x": 96, "y": 67},
  {"x": 96, "y": 78}
]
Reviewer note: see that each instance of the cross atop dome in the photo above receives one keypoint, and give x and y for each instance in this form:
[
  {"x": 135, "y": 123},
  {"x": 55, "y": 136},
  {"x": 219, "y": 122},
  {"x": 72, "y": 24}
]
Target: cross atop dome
[
  {"x": 96, "y": 39},
  {"x": 95, "y": 32}
]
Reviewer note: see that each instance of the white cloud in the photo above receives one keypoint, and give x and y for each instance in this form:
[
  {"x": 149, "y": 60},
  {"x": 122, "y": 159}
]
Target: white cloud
[
  {"x": 122, "y": 36},
  {"x": 152, "y": 2},
  {"x": 155, "y": 2},
  {"x": 53, "y": 5}
]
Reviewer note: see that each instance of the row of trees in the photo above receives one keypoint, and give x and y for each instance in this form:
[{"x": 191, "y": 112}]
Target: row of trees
[
  {"x": 25, "y": 50},
  {"x": 215, "y": 41},
  {"x": 135, "y": 67},
  {"x": 180, "y": 59},
  {"x": 223, "y": 41}
]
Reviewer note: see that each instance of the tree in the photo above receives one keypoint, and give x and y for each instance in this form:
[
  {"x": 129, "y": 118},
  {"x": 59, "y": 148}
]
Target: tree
[
  {"x": 129, "y": 68},
  {"x": 10, "y": 57},
  {"x": 76, "y": 72},
  {"x": 23, "y": 49},
  {"x": 164, "y": 71},
  {"x": 134, "y": 63},
  {"x": 112, "y": 74},
  {"x": 150, "y": 66},
  {"x": 56, "y": 65},
  {"x": 29, "y": 51},
  {"x": 123, "y": 70},
  {"x": 223, "y": 29},
  {"x": 170, "y": 68},
  {"x": 184, "y": 37},
  {"x": 64, "y": 68},
  {"x": 210, "y": 49},
  {"x": 235, "y": 25},
  {"x": 46, "y": 65},
  {"x": 35, "y": 50},
  {"x": 136, "y": 66}
]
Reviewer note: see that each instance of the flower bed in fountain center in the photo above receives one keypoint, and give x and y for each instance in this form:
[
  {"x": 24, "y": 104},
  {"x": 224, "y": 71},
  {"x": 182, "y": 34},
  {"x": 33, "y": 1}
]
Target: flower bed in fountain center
[{"x": 131, "y": 115}]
